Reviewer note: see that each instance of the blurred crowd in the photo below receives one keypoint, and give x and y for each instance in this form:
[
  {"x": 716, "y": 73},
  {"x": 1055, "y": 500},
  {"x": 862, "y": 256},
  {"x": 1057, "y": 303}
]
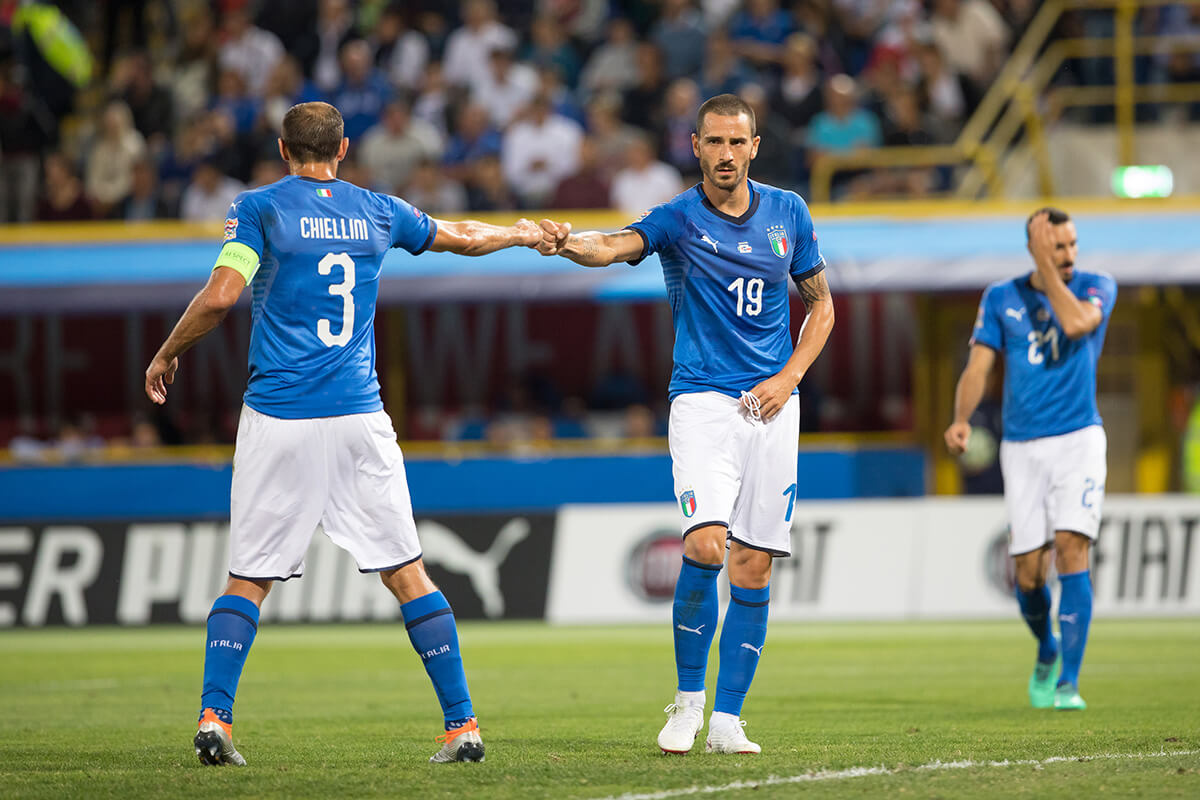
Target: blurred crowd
[{"x": 169, "y": 108}]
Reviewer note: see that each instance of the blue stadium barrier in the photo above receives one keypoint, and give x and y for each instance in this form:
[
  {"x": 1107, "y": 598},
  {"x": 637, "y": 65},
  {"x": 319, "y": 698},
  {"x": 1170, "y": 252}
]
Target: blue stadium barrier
[{"x": 176, "y": 491}]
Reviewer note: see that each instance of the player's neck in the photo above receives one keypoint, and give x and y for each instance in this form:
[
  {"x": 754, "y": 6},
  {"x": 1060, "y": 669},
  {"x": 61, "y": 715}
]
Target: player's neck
[
  {"x": 734, "y": 202},
  {"x": 317, "y": 171}
]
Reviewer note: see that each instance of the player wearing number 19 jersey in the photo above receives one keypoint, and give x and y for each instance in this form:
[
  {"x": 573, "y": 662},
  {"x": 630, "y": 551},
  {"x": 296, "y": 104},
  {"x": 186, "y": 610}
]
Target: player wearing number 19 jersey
[
  {"x": 1048, "y": 326},
  {"x": 729, "y": 249},
  {"x": 314, "y": 445}
]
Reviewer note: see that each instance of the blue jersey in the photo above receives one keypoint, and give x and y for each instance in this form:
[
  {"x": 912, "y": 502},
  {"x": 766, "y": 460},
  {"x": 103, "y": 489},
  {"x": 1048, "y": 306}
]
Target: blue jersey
[
  {"x": 1049, "y": 379},
  {"x": 318, "y": 246},
  {"x": 727, "y": 281}
]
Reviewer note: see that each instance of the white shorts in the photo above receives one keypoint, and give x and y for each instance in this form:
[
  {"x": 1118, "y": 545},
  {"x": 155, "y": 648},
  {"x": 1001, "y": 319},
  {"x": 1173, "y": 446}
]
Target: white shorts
[
  {"x": 735, "y": 471},
  {"x": 1055, "y": 483},
  {"x": 344, "y": 473}
]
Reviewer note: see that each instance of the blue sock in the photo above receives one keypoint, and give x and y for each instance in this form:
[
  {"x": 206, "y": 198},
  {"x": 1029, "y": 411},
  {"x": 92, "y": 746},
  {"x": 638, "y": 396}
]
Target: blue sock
[
  {"x": 694, "y": 621},
  {"x": 1074, "y": 617},
  {"x": 232, "y": 624},
  {"x": 742, "y": 641},
  {"x": 434, "y": 636},
  {"x": 1035, "y": 608}
]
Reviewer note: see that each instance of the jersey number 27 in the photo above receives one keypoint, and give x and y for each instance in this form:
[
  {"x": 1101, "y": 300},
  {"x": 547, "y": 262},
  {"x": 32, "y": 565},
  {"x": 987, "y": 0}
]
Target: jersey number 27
[{"x": 344, "y": 289}]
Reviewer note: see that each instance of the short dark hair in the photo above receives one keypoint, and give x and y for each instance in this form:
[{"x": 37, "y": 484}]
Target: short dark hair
[
  {"x": 726, "y": 105},
  {"x": 1056, "y": 215},
  {"x": 312, "y": 132}
]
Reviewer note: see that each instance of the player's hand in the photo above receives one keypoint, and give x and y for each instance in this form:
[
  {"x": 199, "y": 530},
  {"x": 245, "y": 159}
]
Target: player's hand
[
  {"x": 158, "y": 375},
  {"x": 554, "y": 237},
  {"x": 1041, "y": 241},
  {"x": 772, "y": 394},
  {"x": 957, "y": 436},
  {"x": 528, "y": 233}
]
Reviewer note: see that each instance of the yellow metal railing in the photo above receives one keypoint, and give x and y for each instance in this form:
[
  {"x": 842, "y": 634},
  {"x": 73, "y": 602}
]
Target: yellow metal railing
[{"x": 1010, "y": 105}]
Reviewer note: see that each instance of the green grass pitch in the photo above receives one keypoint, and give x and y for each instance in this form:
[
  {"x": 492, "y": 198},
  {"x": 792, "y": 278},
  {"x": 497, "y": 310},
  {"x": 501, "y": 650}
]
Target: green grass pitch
[{"x": 346, "y": 711}]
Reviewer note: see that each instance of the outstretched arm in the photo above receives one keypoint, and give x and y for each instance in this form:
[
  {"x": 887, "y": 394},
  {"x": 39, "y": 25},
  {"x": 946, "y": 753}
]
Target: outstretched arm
[
  {"x": 471, "y": 238},
  {"x": 970, "y": 390},
  {"x": 204, "y": 313},
  {"x": 774, "y": 392},
  {"x": 590, "y": 248}
]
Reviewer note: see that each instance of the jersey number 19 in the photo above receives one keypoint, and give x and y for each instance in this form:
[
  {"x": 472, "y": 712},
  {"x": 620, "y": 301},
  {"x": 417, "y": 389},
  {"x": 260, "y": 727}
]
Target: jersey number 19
[
  {"x": 343, "y": 289},
  {"x": 751, "y": 300}
]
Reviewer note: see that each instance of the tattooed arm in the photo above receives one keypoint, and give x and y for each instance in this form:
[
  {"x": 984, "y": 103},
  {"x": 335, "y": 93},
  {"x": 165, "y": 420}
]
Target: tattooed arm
[
  {"x": 590, "y": 248},
  {"x": 774, "y": 392}
]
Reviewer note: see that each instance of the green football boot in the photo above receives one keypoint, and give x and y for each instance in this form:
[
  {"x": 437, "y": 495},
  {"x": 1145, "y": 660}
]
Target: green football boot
[
  {"x": 1066, "y": 698},
  {"x": 1042, "y": 681}
]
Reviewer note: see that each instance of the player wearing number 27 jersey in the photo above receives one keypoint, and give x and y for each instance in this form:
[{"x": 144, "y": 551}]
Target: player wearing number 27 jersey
[
  {"x": 729, "y": 249},
  {"x": 314, "y": 446},
  {"x": 1048, "y": 326}
]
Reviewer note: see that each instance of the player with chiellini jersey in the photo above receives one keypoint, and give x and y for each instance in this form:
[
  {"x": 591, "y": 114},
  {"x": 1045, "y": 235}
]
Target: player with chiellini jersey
[
  {"x": 1048, "y": 326},
  {"x": 729, "y": 248},
  {"x": 314, "y": 445}
]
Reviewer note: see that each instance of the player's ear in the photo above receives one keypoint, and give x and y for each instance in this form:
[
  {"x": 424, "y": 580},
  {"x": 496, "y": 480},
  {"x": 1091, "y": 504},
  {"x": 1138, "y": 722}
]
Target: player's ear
[
  {"x": 754, "y": 147},
  {"x": 695, "y": 145},
  {"x": 343, "y": 148},
  {"x": 283, "y": 151}
]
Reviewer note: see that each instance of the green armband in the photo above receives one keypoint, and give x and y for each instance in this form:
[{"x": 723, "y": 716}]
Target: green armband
[{"x": 239, "y": 257}]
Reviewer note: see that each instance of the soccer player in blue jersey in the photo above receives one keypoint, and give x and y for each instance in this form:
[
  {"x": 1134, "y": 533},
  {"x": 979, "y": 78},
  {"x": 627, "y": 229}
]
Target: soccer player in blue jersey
[
  {"x": 314, "y": 445},
  {"x": 1048, "y": 326},
  {"x": 729, "y": 247}
]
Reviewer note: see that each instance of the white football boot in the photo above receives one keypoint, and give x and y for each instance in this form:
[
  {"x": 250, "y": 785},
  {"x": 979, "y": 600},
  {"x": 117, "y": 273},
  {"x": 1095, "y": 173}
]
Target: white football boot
[
  {"x": 214, "y": 742},
  {"x": 684, "y": 721},
  {"x": 460, "y": 744},
  {"x": 725, "y": 735}
]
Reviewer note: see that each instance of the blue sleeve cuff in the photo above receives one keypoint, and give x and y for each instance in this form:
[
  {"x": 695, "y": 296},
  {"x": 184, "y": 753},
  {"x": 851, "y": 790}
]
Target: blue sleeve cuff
[
  {"x": 428, "y": 239},
  {"x": 808, "y": 274},
  {"x": 645, "y": 245}
]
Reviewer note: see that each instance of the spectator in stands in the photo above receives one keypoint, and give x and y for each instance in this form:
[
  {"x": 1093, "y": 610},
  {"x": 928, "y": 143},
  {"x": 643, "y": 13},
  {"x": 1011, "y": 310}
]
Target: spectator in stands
[
  {"x": 432, "y": 192},
  {"x": 506, "y": 87},
  {"x": 400, "y": 52},
  {"x": 842, "y": 127},
  {"x": 642, "y": 103},
  {"x": 285, "y": 88},
  {"x": 644, "y": 182},
  {"x": 24, "y": 130},
  {"x": 144, "y": 201},
  {"x": 267, "y": 171},
  {"x": 775, "y": 163},
  {"x": 391, "y": 150},
  {"x": 675, "y": 135},
  {"x": 588, "y": 187},
  {"x": 759, "y": 31},
  {"x": 904, "y": 125},
  {"x": 194, "y": 70},
  {"x": 433, "y": 102},
  {"x": 612, "y": 66},
  {"x": 972, "y": 38},
  {"x": 488, "y": 190},
  {"x": 62, "y": 192},
  {"x": 562, "y": 99},
  {"x": 539, "y": 150},
  {"x": 612, "y": 137},
  {"x": 118, "y": 146},
  {"x": 150, "y": 103},
  {"x": 248, "y": 49},
  {"x": 233, "y": 100},
  {"x": 680, "y": 35},
  {"x": 363, "y": 91},
  {"x": 548, "y": 48},
  {"x": 724, "y": 71},
  {"x": 208, "y": 196},
  {"x": 468, "y": 47},
  {"x": 319, "y": 48},
  {"x": 798, "y": 93},
  {"x": 943, "y": 91},
  {"x": 583, "y": 20},
  {"x": 474, "y": 138}
]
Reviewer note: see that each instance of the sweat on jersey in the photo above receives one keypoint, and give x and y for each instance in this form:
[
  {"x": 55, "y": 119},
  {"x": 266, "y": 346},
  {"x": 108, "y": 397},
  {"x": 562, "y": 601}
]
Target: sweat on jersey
[
  {"x": 727, "y": 282},
  {"x": 1049, "y": 379},
  {"x": 311, "y": 251}
]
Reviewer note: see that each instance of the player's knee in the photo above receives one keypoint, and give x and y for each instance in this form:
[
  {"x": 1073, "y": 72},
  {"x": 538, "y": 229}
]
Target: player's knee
[
  {"x": 1030, "y": 580},
  {"x": 706, "y": 545}
]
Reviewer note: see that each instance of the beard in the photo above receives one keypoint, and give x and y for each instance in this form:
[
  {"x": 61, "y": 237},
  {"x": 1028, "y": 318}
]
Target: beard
[{"x": 726, "y": 181}]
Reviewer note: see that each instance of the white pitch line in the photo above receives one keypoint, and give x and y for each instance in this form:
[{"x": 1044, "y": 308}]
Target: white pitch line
[{"x": 861, "y": 772}]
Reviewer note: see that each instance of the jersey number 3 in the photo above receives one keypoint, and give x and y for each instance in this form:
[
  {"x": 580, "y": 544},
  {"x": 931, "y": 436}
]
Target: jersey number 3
[
  {"x": 344, "y": 289},
  {"x": 751, "y": 301}
]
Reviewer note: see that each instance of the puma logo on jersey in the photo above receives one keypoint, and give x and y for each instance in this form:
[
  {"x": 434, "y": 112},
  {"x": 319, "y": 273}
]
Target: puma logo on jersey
[
  {"x": 1015, "y": 313},
  {"x": 705, "y": 238},
  {"x": 757, "y": 650},
  {"x": 686, "y": 629}
]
